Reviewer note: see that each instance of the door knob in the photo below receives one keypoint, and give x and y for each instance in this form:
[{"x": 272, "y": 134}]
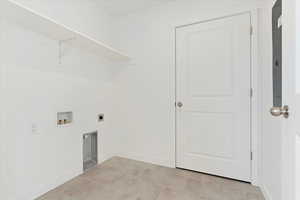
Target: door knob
[
  {"x": 278, "y": 111},
  {"x": 179, "y": 104}
]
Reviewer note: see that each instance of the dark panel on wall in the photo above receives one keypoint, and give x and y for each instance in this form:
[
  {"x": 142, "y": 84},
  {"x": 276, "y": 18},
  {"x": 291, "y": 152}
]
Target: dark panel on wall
[{"x": 277, "y": 53}]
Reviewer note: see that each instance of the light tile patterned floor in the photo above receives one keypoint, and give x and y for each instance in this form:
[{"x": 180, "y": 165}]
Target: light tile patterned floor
[{"x": 123, "y": 179}]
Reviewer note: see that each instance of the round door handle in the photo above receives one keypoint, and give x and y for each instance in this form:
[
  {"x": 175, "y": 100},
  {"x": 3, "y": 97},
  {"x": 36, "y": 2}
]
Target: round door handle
[
  {"x": 278, "y": 111},
  {"x": 179, "y": 104}
]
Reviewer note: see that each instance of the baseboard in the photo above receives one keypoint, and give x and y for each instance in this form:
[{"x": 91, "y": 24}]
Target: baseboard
[
  {"x": 50, "y": 186},
  {"x": 266, "y": 193},
  {"x": 149, "y": 159},
  {"x": 60, "y": 180}
]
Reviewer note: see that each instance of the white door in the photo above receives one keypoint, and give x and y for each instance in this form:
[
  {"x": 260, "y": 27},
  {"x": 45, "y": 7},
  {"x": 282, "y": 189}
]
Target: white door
[
  {"x": 291, "y": 97},
  {"x": 293, "y": 123},
  {"x": 213, "y": 71}
]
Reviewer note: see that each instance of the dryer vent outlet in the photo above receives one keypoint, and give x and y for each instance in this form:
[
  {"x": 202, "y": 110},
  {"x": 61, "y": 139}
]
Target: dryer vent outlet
[{"x": 90, "y": 150}]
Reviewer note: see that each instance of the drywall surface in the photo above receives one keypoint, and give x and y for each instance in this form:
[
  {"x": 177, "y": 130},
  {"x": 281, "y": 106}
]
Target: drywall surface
[
  {"x": 85, "y": 16},
  {"x": 298, "y": 167},
  {"x": 7, "y": 144},
  {"x": 43, "y": 155},
  {"x": 7, "y": 164},
  {"x": 2, "y": 161},
  {"x": 297, "y": 46},
  {"x": 298, "y": 91},
  {"x": 271, "y": 179},
  {"x": 146, "y": 88}
]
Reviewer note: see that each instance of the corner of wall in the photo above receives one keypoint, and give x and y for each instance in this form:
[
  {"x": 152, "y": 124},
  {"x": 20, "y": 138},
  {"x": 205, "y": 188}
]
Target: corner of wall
[{"x": 266, "y": 193}]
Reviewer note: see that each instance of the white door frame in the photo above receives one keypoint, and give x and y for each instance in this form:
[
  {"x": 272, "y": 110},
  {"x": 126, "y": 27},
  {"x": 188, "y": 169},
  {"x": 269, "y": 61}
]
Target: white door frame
[{"x": 255, "y": 82}]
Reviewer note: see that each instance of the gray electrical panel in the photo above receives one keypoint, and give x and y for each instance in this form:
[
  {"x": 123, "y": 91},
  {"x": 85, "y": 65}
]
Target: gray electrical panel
[
  {"x": 90, "y": 150},
  {"x": 277, "y": 53}
]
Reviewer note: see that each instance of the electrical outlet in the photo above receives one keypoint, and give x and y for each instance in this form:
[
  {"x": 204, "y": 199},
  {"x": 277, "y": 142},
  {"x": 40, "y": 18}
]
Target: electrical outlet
[{"x": 100, "y": 117}]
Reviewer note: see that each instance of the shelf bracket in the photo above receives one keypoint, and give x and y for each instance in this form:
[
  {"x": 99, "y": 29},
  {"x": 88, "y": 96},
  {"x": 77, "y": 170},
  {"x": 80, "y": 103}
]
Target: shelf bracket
[{"x": 60, "y": 48}]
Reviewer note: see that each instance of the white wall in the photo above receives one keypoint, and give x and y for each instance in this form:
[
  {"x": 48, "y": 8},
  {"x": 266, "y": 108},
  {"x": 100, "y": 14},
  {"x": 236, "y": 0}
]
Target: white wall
[
  {"x": 297, "y": 45},
  {"x": 145, "y": 112},
  {"x": 298, "y": 91},
  {"x": 36, "y": 87},
  {"x": 297, "y": 167},
  {"x": 1, "y": 120},
  {"x": 272, "y": 127},
  {"x": 7, "y": 178},
  {"x": 139, "y": 104}
]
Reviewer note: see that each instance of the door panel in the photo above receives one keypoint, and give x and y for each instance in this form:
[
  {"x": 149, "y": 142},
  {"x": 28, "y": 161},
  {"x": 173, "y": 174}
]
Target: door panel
[
  {"x": 210, "y": 83},
  {"x": 221, "y": 136},
  {"x": 213, "y": 83}
]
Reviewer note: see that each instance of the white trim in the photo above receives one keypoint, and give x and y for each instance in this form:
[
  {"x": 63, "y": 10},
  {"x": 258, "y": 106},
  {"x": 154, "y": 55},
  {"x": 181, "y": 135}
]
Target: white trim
[
  {"x": 256, "y": 102},
  {"x": 155, "y": 160},
  {"x": 46, "y": 187},
  {"x": 266, "y": 193},
  {"x": 256, "y": 99}
]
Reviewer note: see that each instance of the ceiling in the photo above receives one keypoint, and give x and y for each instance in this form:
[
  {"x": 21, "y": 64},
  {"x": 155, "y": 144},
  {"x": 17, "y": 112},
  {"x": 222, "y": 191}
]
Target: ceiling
[
  {"x": 121, "y": 7},
  {"x": 113, "y": 7}
]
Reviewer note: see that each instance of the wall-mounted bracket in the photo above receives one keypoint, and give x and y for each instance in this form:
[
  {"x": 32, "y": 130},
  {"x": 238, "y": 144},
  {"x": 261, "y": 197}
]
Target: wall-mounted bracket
[{"x": 60, "y": 48}]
